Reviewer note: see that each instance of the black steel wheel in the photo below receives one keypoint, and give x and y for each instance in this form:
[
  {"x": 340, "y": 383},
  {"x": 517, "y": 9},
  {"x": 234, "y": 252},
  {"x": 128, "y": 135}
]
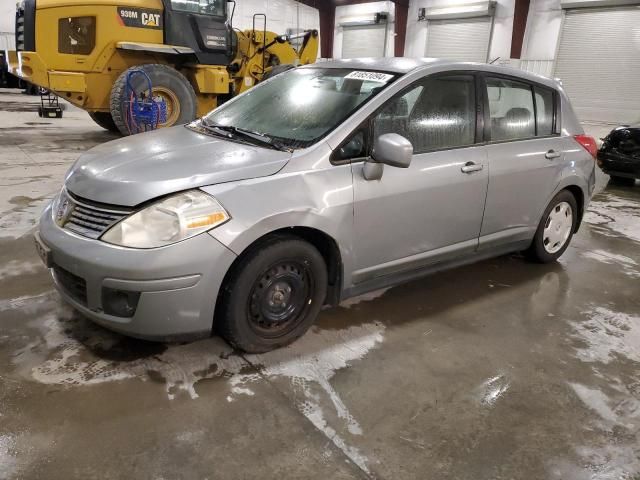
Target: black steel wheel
[
  {"x": 273, "y": 295},
  {"x": 280, "y": 298}
]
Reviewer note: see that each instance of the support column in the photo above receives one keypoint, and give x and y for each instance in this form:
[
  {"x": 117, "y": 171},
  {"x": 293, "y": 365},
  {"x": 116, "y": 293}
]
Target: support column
[
  {"x": 519, "y": 26},
  {"x": 400, "y": 26}
]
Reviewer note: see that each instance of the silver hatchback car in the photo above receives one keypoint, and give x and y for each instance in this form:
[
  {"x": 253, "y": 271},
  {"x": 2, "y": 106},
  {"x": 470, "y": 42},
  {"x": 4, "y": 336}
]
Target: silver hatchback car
[{"x": 320, "y": 184}]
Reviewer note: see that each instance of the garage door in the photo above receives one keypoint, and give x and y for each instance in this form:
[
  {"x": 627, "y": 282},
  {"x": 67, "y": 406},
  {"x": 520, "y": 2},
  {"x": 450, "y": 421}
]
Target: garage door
[
  {"x": 599, "y": 63},
  {"x": 460, "y": 39},
  {"x": 363, "y": 41}
]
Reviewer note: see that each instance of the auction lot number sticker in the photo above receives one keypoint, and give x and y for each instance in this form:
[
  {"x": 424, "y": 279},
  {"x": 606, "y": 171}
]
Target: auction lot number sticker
[{"x": 371, "y": 76}]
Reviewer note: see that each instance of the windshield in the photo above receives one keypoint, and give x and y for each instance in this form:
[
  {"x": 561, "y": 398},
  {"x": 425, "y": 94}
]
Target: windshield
[
  {"x": 300, "y": 106},
  {"x": 204, "y": 7}
]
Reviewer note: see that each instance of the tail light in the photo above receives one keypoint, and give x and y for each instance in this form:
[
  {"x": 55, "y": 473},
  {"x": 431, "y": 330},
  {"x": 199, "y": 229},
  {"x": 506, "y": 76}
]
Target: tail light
[{"x": 588, "y": 143}]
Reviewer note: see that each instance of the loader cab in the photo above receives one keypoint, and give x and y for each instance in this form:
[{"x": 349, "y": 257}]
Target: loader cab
[{"x": 202, "y": 26}]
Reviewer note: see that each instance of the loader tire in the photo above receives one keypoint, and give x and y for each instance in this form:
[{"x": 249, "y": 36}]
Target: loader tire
[
  {"x": 167, "y": 83},
  {"x": 105, "y": 120},
  {"x": 278, "y": 69}
]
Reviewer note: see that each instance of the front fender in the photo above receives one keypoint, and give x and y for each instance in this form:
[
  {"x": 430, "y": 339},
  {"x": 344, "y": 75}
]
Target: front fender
[{"x": 318, "y": 199}]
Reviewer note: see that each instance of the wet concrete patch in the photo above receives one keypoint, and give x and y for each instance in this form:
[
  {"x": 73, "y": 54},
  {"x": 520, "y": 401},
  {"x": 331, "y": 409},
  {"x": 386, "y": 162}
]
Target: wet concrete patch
[{"x": 612, "y": 215}]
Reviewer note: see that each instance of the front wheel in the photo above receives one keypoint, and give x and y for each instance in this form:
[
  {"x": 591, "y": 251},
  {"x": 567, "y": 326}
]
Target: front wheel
[
  {"x": 167, "y": 85},
  {"x": 273, "y": 295},
  {"x": 555, "y": 229}
]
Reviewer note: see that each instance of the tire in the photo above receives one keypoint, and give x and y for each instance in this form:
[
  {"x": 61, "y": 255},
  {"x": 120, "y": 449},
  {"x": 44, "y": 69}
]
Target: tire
[
  {"x": 548, "y": 245},
  {"x": 105, "y": 120},
  {"x": 278, "y": 69},
  {"x": 623, "y": 181},
  {"x": 166, "y": 81},
  {"x": 273, "y": 295}
]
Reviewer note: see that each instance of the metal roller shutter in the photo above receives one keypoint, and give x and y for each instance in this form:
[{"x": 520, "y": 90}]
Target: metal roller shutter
[
  {"x": 598, "y": 62},
  {"x": 465, "y": 39},
  {"x": 363, "y": 41}
]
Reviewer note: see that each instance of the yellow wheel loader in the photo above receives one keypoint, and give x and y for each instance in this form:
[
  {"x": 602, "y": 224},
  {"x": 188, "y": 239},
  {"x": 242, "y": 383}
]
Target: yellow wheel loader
[{"x": 86, "y": 51}]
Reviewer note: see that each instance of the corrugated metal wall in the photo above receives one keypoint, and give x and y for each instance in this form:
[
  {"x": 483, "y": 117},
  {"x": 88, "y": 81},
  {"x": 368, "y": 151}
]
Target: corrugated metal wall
[
  {"x": 363, "y": 41},
  {"x": 7, "y": 41},
  {"x": 465, "y": 39},
  {"x": 598, "y": 63}
]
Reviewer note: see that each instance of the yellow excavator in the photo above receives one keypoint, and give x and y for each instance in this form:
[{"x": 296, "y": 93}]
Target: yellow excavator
[{"x": 114, "y": 58}]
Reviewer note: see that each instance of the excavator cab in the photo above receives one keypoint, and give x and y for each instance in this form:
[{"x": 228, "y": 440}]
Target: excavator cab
[{"x": 202, "y": 26}]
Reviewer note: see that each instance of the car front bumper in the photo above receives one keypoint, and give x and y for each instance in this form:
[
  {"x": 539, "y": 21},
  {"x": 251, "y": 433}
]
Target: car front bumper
[{"x": 177, "y": 285}]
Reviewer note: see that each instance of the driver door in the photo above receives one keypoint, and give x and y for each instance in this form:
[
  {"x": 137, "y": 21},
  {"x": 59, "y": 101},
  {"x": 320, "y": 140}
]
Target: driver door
[{"x": 431, "y": 211}]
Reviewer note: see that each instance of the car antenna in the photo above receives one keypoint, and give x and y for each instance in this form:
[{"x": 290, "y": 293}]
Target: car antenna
[{"x": 494, "y": 60}]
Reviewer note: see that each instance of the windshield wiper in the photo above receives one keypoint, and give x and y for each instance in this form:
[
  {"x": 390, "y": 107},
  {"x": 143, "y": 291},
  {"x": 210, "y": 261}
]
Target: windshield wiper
[
  {"x": 223, "y": 130},
  {"x": 229, "y": 131},
  {"x": 261, "y": 137}
]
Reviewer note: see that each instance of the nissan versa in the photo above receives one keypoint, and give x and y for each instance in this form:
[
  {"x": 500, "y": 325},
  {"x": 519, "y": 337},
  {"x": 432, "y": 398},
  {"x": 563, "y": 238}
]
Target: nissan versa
[{"x": 321, "y": 183}]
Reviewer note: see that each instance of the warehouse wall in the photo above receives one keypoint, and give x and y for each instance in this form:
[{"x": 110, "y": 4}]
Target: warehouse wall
[
  {"x": 500, "y": 45},
  {"x": 541, "y": 36},
  {"x": 363, "y": 11},
  {"x": 281, "y": 15},
  {"x": 7, "y": 19}
]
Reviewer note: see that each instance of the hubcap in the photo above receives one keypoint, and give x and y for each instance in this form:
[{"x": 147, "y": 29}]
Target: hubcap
[
  {"x": 280, "y": 298},
  {"x": 557, "y": 227}
]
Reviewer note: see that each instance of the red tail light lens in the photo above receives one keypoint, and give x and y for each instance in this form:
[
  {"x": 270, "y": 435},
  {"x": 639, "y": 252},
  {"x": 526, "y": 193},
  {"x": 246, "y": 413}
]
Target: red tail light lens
[{"x": 588, "y": 143}]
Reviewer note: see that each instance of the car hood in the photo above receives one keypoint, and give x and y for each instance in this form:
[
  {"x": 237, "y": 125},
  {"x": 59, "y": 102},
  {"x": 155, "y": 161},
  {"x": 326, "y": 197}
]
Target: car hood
[{"x": 132, "y": 170}]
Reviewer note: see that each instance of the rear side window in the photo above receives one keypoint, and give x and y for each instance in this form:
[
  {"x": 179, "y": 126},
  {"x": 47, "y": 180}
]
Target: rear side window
[
  {"x": 511, "y": 109},
  {"x": 544, "y": 111},
  {"x": 436, "y": 113}
]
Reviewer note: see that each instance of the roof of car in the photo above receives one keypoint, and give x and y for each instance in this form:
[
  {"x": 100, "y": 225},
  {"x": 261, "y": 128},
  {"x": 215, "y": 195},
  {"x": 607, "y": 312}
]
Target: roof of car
[{"x": 405, "y": 65}]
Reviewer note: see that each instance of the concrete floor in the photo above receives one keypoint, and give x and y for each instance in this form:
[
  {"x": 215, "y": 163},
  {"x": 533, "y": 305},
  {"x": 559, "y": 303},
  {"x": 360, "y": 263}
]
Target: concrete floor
[{"x": 500, "y": 370}]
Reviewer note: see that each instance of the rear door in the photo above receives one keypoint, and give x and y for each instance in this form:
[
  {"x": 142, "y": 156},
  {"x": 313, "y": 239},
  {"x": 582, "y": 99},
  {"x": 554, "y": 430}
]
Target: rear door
[
  {"x": 432, "y": 210},
  {"x": 525, "y": 154}
]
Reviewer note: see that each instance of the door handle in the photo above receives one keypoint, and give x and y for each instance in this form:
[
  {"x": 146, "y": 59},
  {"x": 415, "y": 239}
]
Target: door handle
[
  {"x": 471, "y": 167},
  {"x": 551, "y": 154}
]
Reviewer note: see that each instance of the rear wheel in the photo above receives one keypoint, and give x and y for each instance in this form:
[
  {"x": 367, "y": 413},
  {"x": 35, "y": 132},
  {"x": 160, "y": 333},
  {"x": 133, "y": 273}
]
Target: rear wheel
[
  {"x": 273, "y": 295},
  {"x": 167, "y": 84},
  {"x": 105, "y": 120},
  {"x": 555, "y": 229}
]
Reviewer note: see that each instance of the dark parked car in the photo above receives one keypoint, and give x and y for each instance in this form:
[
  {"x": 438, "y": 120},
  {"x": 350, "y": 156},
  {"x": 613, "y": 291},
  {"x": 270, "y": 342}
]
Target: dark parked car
[{"x": 619, "y": 156}]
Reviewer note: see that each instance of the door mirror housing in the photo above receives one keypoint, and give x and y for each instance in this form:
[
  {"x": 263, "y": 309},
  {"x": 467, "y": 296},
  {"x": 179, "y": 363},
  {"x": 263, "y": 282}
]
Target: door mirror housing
[{"x": 393, "y": 150}]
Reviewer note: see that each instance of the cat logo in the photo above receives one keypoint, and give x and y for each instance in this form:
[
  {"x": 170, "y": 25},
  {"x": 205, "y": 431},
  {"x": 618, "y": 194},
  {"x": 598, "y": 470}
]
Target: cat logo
[
  {"x": 150, "y": 19},
  {"x": 140, "y": 17}
]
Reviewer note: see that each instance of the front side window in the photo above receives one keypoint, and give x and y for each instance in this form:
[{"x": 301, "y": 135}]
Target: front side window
[
  {"x": 510, "y": 109},
  {"x": 204, "y": 7},
  {"x": 299, "y": 107},
  {"x": 76, "y": 35},
  {"x": 433, "y": 114}
]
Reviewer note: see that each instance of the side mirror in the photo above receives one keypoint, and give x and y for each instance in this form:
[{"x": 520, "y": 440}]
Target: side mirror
[{"x": 393, "y": 150}]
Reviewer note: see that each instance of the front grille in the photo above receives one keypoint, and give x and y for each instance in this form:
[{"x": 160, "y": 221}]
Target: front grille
[
  {"x": 26, "y": 26},
  {"x": 73, "y": 285},
  {"x": 91, "y": 219}
]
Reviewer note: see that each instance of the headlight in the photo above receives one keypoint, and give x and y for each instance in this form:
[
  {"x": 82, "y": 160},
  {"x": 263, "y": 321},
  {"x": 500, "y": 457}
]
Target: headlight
[
  {"x": 168, "y": 221},
  {"x": 61, "y": 207}
]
